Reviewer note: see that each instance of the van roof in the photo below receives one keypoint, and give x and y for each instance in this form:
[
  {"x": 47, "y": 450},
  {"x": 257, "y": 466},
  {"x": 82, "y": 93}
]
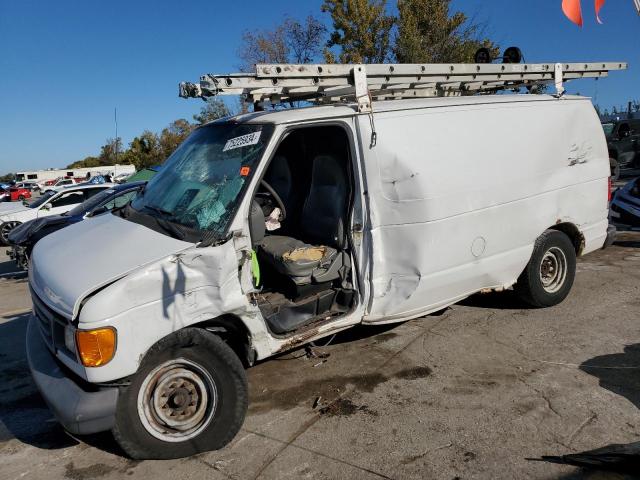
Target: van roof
[{"x": 302, "y": 114}]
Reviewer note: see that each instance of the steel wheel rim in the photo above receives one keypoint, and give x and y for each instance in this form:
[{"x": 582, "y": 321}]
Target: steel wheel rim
[
  {"x": 553, "y": 270},
  {"x": 177, "y": 400}
]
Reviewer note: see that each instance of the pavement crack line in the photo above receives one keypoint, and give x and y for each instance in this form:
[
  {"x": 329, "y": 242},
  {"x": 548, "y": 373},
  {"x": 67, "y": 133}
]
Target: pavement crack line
[
  {"x": 561, "y": 364},
  {"x": 580, "y": 427},
  {"x": 320, "y": 454},
  {"x": 316, "y": 416},
  {"x": 542, "y": 395}
]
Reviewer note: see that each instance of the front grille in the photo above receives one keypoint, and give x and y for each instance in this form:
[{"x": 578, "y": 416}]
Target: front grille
[{"x": 52, "y": 326}]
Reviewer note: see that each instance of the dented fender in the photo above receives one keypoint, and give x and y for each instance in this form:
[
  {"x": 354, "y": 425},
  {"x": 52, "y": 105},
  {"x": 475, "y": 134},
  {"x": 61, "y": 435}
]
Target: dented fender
[{"x": 178, "y": 291}]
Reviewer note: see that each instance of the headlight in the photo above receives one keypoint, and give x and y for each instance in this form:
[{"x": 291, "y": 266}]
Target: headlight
[{"x": 96, "y": 347}]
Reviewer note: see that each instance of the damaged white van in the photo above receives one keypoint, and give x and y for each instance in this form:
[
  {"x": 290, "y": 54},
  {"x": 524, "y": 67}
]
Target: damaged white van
[{"x": 269, "y": 230}]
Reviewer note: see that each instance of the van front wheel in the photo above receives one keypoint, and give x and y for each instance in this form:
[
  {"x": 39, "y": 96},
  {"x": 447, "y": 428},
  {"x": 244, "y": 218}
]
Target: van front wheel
[
  {"x": 548, "y": 277},
  {"x": 189, "y": 396}
]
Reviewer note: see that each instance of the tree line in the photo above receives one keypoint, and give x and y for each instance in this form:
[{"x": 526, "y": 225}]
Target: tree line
[
  {"x": 370, "y": 31},
  {"x": 149, "y": 148},
  {"x": 348, "y": 31}
]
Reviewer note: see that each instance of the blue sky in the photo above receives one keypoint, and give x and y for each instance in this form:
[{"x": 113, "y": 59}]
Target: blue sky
[{"x": 65, "y": 65}]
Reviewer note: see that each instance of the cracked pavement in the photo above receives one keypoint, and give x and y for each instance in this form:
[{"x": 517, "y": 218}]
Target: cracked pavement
[{"x": 480, "y": 391}]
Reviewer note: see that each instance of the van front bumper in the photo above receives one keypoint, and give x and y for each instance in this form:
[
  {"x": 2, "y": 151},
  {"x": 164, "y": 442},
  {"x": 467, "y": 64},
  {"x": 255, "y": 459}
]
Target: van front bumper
[{"x": 79, "y": 411}]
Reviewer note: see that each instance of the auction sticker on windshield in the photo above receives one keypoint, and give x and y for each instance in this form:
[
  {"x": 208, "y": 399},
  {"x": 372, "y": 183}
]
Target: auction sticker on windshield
[{"x": 242, "y": 141}]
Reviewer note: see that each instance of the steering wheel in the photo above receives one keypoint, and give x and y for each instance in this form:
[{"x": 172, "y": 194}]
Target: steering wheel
[{"x": 276, "y": 197}]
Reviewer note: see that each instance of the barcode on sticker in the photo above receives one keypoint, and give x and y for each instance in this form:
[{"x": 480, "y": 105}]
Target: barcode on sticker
[{"x": 242, "y": 141}]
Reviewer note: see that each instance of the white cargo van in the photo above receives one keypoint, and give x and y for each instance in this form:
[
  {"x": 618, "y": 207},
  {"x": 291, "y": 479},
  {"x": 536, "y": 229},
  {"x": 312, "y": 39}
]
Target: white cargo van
[{"x": 269, "y": 230}]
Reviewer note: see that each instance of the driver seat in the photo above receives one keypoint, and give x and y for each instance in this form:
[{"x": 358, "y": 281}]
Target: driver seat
[{"x": 320, "y": 257}]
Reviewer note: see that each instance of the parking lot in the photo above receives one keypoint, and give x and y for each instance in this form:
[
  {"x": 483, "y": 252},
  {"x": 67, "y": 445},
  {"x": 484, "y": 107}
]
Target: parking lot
[{"x": 483, "y": 390}]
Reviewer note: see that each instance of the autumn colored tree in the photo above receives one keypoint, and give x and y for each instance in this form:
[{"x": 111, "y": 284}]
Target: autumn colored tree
[
  {"x": 173, "y": 135},
  {"x": 110, "y": 152},
  {"x": 290, "y": 42}
]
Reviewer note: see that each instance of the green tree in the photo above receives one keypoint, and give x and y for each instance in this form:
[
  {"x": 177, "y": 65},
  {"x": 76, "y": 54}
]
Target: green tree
[
  {"x": 86, "y": 162},
  {"x": 7, "y": 177},
  {"x": 144, "y": 151},
  {"x": 361, "y": 31},
  {"x": 212, "y": 110},
  {"x": 429, "y": 32}
]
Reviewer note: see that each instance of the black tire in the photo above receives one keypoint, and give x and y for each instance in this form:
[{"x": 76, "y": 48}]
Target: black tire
[
  {"x": 193, "y": 347},
  {"x": 21, "y": 198},
  {"x": 551, "y": 247},
  {"x": 615, "y": 169},
  {"x": 5, "y": 230}
]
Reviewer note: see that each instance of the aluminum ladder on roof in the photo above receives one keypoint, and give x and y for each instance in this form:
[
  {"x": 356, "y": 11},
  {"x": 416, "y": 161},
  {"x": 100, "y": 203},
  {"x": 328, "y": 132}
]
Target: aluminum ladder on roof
[{"x": 364, "y": 83}]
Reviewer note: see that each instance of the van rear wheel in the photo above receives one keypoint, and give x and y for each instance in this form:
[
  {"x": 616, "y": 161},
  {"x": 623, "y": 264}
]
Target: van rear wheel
[
  {"x": 189, "y": 396},
  {"x": 548, "y": 277}
]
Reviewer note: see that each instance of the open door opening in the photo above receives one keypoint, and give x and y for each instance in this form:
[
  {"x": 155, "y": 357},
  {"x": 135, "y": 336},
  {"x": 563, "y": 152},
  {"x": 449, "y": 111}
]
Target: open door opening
[{"x": 299, "y": 222}]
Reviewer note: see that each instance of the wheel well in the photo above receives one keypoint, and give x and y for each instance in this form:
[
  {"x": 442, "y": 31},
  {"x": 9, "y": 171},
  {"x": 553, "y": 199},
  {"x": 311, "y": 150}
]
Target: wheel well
[
  {"x": 613, "y": 154},
  {"x": 234, "y": 332},
  {"x": 574, "y": 234}
]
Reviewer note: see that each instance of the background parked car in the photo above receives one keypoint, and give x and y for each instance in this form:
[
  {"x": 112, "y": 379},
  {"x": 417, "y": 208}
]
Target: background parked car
[
  {"x": 31, "y": 186},
  {"x": 625, "y": 206},
  {"x": 95, "y": 180},
  {"x": 48, "y": 183},
  {"x": 23, "y": 238},
  {"x": 60, "y": 184},
  {"x": 50, "y": 203},
  {"x": 4, "y": 194},
  {"x": 19, "y": 194},
  {"x": 623, "y": 142},
  {"x": 121, "y": 177}
]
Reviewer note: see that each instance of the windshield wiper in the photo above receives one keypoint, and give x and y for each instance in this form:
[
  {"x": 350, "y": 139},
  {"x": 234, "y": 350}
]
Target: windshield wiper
[
  {"x": 164, "y": 213},
  {"x": 163, "y": 221},
  {"x": 171, "y": 228}
]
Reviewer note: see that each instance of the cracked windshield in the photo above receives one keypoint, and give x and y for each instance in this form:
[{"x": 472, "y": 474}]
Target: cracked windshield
[{"x": 200, "y": 184}]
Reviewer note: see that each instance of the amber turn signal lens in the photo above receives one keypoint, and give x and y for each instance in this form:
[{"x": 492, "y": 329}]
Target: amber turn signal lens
[{"x": 96, "y": 347}]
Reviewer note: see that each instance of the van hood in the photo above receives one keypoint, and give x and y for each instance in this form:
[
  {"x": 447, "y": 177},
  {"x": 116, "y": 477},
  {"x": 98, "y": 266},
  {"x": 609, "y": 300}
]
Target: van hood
[{"x": 71, "y": 263}]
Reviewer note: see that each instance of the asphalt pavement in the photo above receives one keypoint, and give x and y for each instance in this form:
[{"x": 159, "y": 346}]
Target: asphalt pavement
[{"x": 483, "y": 390}]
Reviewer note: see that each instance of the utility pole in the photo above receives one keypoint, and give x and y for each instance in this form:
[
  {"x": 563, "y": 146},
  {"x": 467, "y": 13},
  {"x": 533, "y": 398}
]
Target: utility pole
[{"x": 115, "y": 119}]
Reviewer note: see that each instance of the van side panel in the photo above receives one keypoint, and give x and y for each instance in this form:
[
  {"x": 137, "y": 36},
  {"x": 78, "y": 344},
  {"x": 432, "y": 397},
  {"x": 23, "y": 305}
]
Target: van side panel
[{"x": 458, "y": 195}]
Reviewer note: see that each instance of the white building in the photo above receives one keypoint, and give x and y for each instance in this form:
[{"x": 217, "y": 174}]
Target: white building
[{"x": 52, "y": 174}]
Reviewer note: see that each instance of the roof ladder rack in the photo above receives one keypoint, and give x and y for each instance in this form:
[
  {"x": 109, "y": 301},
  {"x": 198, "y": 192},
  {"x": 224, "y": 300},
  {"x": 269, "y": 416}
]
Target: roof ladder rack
[{"x": 364, "y": 83}]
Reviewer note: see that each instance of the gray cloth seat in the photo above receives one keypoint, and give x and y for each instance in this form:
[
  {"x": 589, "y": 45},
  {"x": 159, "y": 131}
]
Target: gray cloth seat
[{"x": 318, "y": 256}]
